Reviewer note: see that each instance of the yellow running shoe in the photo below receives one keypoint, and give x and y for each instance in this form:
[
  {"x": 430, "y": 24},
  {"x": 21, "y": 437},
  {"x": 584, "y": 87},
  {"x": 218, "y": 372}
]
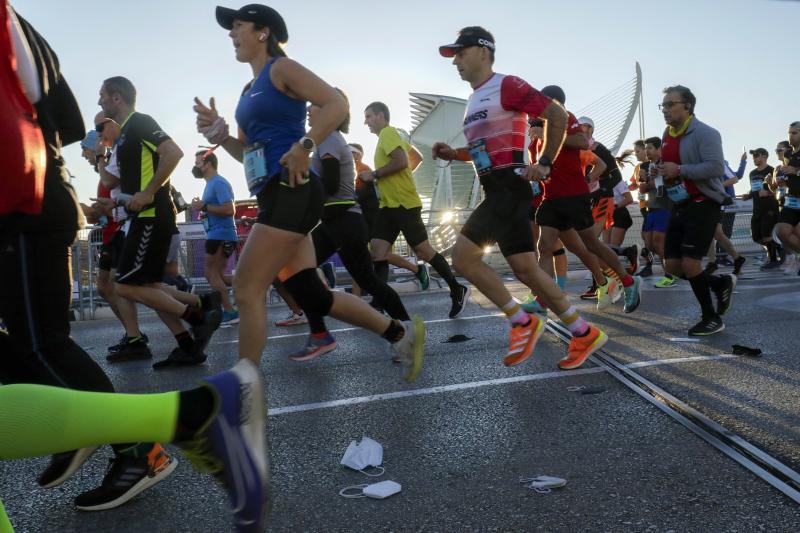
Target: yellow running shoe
[{"x": 580, "y": 348}]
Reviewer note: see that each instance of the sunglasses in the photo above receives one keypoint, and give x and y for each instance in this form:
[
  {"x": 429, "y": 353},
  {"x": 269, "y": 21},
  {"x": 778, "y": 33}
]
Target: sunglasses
[
  {"x": 100, "y": 127},
  {"x": 668, "y": 105}
]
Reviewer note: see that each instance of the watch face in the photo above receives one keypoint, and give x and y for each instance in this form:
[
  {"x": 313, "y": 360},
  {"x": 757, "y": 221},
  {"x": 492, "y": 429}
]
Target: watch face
[{"x": 308, "y": 144}]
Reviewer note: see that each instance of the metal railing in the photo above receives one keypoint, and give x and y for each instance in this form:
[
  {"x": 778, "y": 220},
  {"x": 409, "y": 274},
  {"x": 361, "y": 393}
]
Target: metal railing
[{"x": 443, "y": 228}]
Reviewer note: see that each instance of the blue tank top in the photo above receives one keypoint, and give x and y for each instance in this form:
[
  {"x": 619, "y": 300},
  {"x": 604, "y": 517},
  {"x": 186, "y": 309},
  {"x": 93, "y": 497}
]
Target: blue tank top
[{"x": 268, "y": 116}]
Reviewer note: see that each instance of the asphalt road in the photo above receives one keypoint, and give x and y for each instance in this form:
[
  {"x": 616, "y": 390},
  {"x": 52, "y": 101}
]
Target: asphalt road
[{"x": 459, "y": 439}]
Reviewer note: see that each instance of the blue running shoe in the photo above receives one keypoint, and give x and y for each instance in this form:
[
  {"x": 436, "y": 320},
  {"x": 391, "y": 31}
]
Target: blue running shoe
[
  {"x": 633, "y": 295},
  {"x": 423, "y": 276},
  {"x": 232, "y": 445},
  {"x": 533, "y": 307},
  {"x": 230, "y": 318}
]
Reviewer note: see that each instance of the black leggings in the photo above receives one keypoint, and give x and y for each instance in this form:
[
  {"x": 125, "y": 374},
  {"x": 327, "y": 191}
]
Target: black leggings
[
  {"x": 35, "y": 294},
  {"x": 347, "y": 234}
]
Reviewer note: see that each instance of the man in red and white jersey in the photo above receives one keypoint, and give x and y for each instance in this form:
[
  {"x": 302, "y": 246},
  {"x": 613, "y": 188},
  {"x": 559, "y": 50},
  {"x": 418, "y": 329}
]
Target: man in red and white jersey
[{"x": 495, "y": 125}]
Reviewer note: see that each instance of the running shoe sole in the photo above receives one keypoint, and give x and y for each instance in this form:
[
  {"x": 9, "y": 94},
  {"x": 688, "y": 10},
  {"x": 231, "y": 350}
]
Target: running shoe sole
[
  {"x": 418, "y": 350},
  {"x": 79, "y": 458},
  {"x": 599, "y": 342},
  {"x": 143, "y": 484},
  {"x": 529, "y": 346},
  {"x": 708, "y": 333}
]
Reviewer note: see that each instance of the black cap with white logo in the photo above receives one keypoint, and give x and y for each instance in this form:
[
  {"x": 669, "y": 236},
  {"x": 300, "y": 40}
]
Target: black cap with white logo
[
  {"x": 258, "y": 13},
  {"x": 473, "y": 37}
]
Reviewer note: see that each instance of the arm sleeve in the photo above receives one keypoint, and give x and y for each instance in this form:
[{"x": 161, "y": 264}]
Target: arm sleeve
[
  {"x": 330, "y": 175},
  {"x": 517, "y": 95},
  {"x": 742, "y": 166},
  {"x": 712, "y": 162}
]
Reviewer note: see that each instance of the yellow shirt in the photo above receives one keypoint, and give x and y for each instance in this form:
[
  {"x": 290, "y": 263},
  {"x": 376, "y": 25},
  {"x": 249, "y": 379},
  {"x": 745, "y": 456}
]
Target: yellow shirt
[{"x": 398, "y": 189}]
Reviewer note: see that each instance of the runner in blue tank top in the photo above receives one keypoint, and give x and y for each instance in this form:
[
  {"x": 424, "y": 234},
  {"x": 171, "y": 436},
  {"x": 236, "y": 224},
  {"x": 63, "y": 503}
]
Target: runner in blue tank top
[{"x": 275, "y": 150}]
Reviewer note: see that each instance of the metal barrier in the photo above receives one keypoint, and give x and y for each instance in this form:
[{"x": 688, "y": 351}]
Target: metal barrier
[{"x": 443, "y": 228}]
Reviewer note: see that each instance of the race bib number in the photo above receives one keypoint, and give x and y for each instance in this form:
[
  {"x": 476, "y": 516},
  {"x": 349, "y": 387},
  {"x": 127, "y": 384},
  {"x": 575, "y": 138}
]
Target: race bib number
[
  {"x": 756, "y": 185},
  {"x": 678, "y": 193},
  {"x": 480, "y": 157},
  {"x": 255, "y": 165},
  {"x": 792, "y": 202}
]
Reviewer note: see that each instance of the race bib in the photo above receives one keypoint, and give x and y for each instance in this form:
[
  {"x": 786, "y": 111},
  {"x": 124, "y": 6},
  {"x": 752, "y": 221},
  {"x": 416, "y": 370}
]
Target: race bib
[
  {"x": 756, "y": 185},
  {"x": 480, "y": 157},
  {"x": 255, "y": 165},
  {"x": 792, "y": 202},
  {"x": 678, "y": 193}
]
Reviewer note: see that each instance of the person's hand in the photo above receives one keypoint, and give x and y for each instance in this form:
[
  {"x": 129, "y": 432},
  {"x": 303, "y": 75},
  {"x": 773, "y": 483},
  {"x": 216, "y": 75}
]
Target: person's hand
[
  {"x": 206, "y": 114},
  {"x": 197, "y": 204},
  {"x": 103, "y": 205},
  {"x": 366, "y": 176},
  {"x": 443, "y": 151},
  {"x": 536, "y": 172},
  {"x": 669, "y": 170},
  {"x": 139, "y": 201},
  {"x": 297, "y": 162},
  {"x": 744, "y": 156},
  {"x": 788, "y": 170}
]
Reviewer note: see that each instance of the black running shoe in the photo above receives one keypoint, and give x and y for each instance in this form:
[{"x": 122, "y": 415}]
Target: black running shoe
[
  {"x": 646, "y": 271},
  {"x": 459, "y": 301},
  {"x": 738, "y": 263},
  {"x": 126, "y": 478},
  {"x": 135, "y": 350},
  {"x": 63, "y": 465},
  {"x": 125, "y": 340},
  {"x": 725, "y": 294},
  {"x": 202, "y": 332},
  {"x": 771, "y": 265},
  {"x": 178, "y": 357},
  {"x": 590, "y": 293},
  {"x": 707, "y": 326}
]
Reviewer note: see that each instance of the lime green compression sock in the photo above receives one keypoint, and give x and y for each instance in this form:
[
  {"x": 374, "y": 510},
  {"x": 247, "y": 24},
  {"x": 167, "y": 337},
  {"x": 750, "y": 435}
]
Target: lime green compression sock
[
  {"x": 5, "y": 525},
  {"x": 38, "y": 420}
]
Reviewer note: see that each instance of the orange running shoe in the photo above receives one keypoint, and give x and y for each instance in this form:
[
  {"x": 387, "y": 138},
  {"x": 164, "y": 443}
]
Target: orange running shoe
[
  {"x": 580, "y": 348},
  {"x": 522, "y": 339}
]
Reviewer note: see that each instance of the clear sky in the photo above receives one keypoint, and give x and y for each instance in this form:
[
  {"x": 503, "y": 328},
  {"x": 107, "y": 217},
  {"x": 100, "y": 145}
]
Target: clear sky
[{"x": 736, "y": 55}]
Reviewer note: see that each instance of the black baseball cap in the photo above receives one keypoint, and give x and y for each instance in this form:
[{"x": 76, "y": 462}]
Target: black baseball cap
[
  {"x": 467, "y": 37},
  {"x": 760, "y": 151},
  {"x": 258, "y": 13}
]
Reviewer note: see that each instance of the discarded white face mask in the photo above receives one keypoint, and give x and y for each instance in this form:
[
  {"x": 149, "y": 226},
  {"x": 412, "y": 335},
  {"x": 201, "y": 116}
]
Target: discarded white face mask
[
  {"x": 378, "y": 491},
  {"x": 543, "y": 484},
  {"x": 363, "y": 455}
]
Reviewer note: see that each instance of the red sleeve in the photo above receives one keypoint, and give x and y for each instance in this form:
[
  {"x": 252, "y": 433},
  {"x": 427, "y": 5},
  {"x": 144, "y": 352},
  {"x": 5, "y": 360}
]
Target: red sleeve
[{"x": 517, "y": 95}]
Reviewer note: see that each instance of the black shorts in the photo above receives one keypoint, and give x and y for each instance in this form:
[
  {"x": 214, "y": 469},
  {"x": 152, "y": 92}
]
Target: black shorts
[
  {"x": 789, "y": 216},
  {"x": 228, "y": 247},
  {"x": 110, "y": 252},
  {"x": 570, "y": 212},
  {"x": 392, "y": 220},
  {"x": 296, "y": 209},
  {"x": 532, "y": 212},
  {"x": 762, "y": 223},
  {"x": 622, "y": 218},
  {"x": 502, "y": 218},
  {"x": 145, "y": 251},
  {"x": 691, "y": 229}
]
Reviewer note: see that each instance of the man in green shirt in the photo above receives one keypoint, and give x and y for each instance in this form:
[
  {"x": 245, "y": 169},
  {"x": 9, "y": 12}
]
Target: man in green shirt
[{"x": 400, "y": 205}]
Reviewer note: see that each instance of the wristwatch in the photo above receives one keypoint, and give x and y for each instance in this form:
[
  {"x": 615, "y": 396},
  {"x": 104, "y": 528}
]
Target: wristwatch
[
  {"x": 374, "y": 174},
  {"x": 308, "y": 144},
  {"x": 545, "y": 161}
]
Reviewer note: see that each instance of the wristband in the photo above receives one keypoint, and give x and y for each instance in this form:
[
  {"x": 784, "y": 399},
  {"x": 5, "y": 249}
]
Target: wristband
[{"x": 545, "y": 161}]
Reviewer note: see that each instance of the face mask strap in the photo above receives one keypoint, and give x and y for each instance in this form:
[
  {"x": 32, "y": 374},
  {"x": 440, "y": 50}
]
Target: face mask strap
[
  {"x": 378, "y": 474},
  {"x": 345, "y": 492}
]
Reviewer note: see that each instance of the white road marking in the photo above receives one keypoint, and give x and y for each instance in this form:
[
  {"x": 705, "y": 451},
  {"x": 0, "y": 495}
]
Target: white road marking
[
  {"x": 305, "y": 333},
  {"x": 289, "y": 409}
]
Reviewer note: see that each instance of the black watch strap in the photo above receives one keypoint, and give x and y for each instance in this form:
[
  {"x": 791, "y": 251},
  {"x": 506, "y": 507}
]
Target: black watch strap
[{"x": 545, "y": 161}]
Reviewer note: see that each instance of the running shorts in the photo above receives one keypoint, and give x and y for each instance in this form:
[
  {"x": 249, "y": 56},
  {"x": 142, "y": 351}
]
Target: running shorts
[
  {"x": 570, "y": 212},
  {"x": 393, "y": 220},
  {"x": 502, "y": 218},
  {"x": 228, "y": 247},
  {"x": 691, "y": 229},
  {"x": 296, "y": 209},
  {"x": 144, "y": 252}
]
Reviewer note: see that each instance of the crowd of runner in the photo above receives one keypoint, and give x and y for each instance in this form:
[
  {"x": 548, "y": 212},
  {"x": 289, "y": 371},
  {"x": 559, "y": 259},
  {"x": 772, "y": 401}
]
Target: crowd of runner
[{"x": 548, "y": 186}]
